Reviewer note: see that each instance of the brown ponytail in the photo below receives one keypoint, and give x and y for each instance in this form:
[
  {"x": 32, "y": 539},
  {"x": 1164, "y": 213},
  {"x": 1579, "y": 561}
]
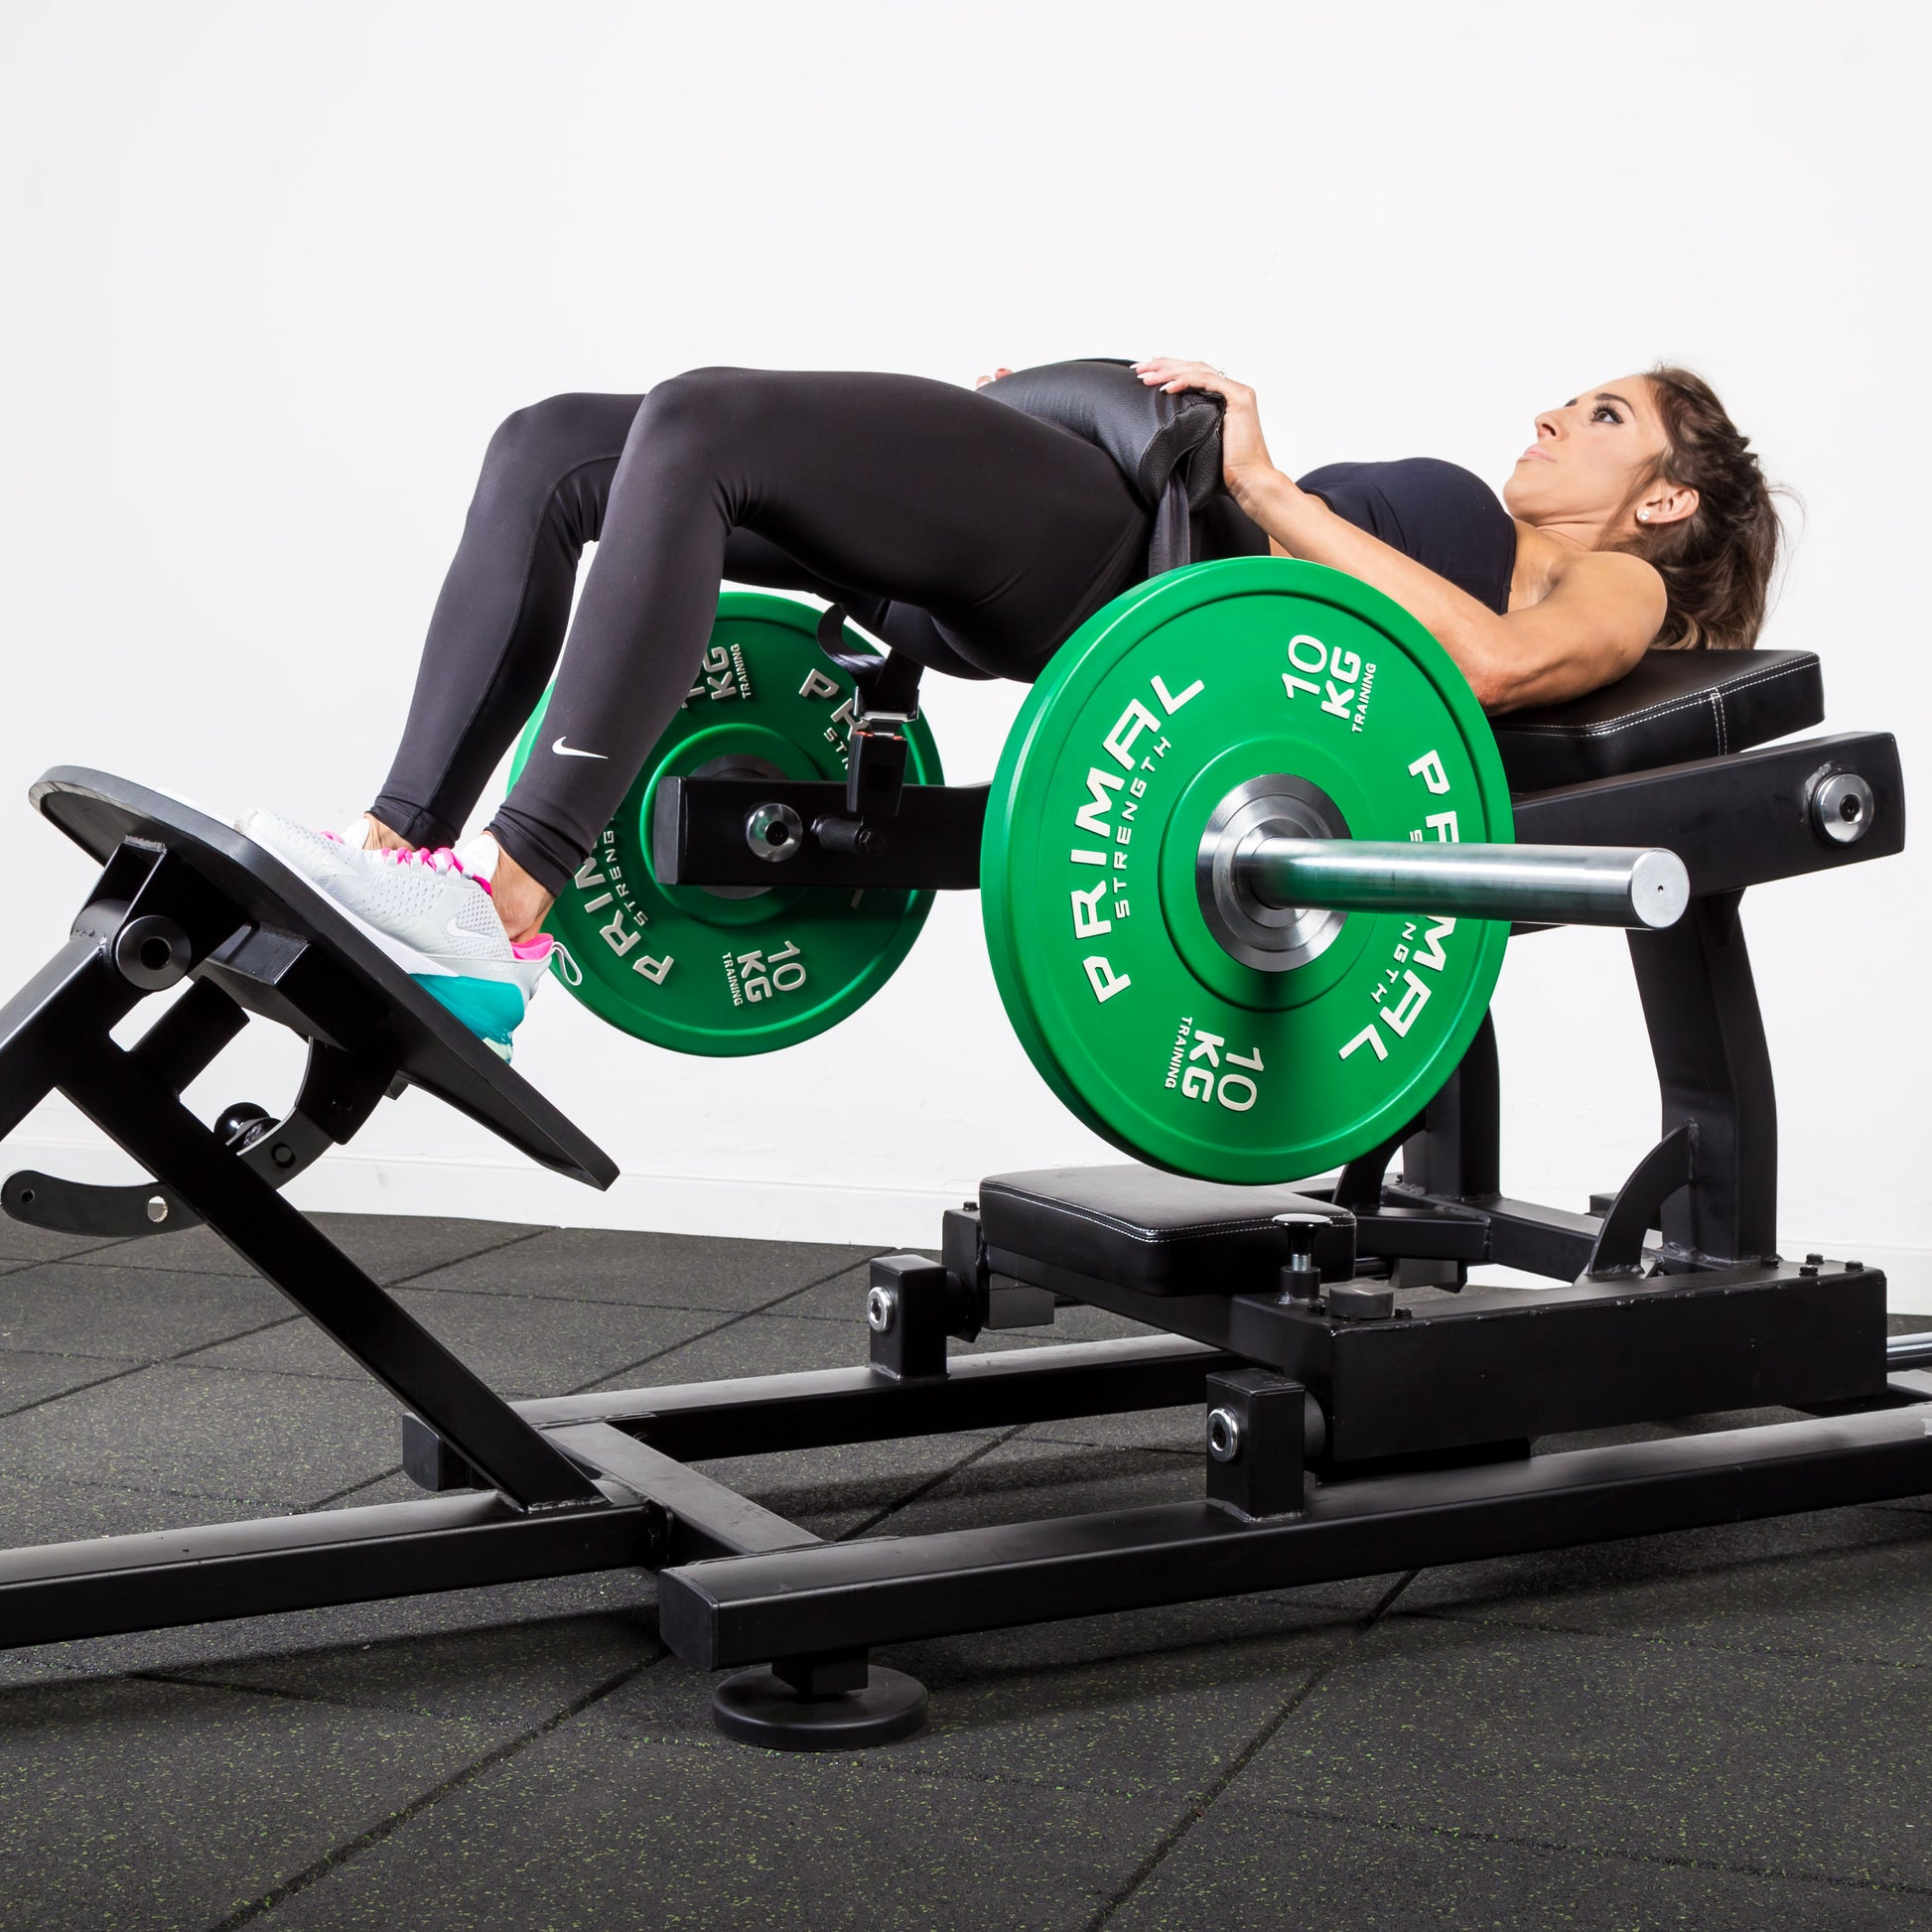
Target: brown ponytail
[{"x": 1717, "y": 563}]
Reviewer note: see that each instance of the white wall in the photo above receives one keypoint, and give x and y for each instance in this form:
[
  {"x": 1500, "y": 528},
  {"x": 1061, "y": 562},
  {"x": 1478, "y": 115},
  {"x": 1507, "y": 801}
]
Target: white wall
[{"x": 273, "y": 273}]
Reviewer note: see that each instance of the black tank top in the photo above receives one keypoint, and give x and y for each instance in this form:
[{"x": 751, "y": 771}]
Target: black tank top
[{"x": 1447, "y": 519}]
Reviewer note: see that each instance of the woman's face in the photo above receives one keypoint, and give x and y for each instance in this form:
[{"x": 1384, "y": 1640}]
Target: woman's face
[{"x": 1587, "y": 456}]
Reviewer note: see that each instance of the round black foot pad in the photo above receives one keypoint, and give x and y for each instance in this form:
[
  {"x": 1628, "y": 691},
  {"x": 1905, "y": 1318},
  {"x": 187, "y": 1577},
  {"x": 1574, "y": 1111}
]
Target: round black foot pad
[{"x": 759, "y": 1708}]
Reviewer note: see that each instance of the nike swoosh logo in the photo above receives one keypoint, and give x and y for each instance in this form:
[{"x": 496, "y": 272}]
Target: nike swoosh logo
[{"x": 564, "y": 750}]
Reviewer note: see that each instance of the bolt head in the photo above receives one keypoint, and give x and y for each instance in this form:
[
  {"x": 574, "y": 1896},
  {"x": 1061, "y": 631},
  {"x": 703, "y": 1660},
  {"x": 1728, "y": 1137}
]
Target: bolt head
[
  {"x": 881, "y": 1305},
  {"x": 1223, "y": 1435}
]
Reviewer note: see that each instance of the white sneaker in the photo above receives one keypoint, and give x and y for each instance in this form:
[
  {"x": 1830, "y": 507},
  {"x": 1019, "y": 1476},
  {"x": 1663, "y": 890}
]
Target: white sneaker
[{"x": 430, "y": 912}]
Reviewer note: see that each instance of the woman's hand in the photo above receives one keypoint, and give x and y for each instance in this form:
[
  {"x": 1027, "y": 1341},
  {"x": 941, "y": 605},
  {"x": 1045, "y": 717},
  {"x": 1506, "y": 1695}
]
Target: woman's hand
[
  {"x": 980, "y": 381},
  {"x": 1244, "y": 463}
]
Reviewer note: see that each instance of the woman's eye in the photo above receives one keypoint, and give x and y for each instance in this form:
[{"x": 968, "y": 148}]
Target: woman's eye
[{"x": 1604, "y": 413}]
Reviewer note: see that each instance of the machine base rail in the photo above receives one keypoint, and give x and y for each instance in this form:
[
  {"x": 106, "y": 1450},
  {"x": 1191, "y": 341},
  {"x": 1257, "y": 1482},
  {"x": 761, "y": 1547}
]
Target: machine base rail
[{"x": 893, "y": 1590}]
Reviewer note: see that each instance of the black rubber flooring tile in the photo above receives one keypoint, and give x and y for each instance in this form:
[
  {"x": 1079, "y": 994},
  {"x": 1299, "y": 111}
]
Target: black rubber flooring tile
[
  {"x": 842, "y": 1298},
  {"x": 1177, "y": 1432},
  {"x": 1227, "y": 1875},
  {"x": 127, "y": 1803},
  {"x": 611, "y": 1826},
  {"x": 520, "y": 1347},
  {"x": 387, "y": 1246},
  {"x": 295, "y": 1346},
  {"x": 19, "y": 1242},
  {"x": 756, "y": 1344},
  {"x": 56, "y": 1510},
  {"x": 1023, "y": 1478},
  {"x": 26, "y": 1379},
  {"x": 1801, "y": 1767},
  {"x": 529, "y": 1348},
  {"x": 281, "y": 1440},
  {"x": 851, "y": 1482},
  {"x": 1152, "y": 1705},
  {"x": 1844, "y": 1583},
  {"x": 127, "y": 1313},
  {"x": 677, "y": 1271},
  {"x": 518, "y": 1674}
]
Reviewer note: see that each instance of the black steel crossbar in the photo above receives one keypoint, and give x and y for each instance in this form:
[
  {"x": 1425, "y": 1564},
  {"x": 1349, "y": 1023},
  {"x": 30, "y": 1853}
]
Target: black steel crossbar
[
  {"x": 750, "y": 1609},
  {"x": 161, "y": 1577},
  {"x": 759, "y": 1415},
  {"x": 705, "y": 1518}
]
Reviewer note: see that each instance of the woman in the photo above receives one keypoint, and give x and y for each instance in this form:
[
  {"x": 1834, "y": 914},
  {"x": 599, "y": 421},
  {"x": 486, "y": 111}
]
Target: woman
[{"x": 977, "y": 539}]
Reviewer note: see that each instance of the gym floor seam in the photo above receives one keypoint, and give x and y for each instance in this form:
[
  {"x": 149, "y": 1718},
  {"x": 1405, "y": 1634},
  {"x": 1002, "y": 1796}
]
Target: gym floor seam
[
  {"x": 340, "y": 1855},
  {"x": 1198, "y": 1808},
  {"x": 1607, "y": 1853}
]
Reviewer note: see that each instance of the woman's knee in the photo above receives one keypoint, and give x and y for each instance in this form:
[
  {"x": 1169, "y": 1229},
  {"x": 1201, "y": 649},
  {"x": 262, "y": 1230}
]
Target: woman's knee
[
  {"x": 699, "y": 406},
  {"x": 537, "y": 445}
]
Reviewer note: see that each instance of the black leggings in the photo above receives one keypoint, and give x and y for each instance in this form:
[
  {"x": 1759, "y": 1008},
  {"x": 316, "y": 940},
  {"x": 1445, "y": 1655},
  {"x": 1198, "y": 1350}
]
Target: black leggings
[{"x": 958, "y": 530}]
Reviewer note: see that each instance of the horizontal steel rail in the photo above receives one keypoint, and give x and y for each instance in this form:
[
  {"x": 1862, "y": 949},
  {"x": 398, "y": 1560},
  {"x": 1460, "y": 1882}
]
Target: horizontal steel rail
[{"x": 839, "y": 1595}]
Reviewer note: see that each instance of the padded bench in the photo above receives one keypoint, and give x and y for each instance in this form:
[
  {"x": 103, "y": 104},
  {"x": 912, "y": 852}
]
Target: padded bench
[
  {"x": 1153, "y": 1232},
  {"x": 1675, "y": 706}
]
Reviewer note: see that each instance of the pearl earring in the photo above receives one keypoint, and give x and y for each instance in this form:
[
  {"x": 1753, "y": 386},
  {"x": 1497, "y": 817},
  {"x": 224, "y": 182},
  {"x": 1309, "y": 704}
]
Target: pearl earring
[{"x": 1643, "y": 516}]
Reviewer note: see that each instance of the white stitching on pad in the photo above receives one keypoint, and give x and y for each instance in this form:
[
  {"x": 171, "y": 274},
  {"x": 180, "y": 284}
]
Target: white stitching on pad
[{"x": 1654, "y": 711}]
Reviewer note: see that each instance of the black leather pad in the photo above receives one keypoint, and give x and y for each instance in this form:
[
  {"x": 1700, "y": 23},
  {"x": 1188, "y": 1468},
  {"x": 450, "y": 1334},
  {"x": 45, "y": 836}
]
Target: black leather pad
[
  {"x": 1677, "y": 705},
  {"x": 1159, "y": 1233}
]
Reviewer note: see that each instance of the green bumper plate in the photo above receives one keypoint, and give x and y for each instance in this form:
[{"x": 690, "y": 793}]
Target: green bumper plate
[
  {"x": 1176, "y": 696},
  {"x": 699, "y": 971}
]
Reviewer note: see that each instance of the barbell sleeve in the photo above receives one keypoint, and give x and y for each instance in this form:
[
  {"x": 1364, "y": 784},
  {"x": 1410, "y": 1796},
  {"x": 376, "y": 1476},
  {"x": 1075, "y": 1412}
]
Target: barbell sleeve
[{"x": 1532, "y": 884}]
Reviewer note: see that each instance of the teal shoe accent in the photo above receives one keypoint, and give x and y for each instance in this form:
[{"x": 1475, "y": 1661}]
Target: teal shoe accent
[{"x": 488, "y": 1008}]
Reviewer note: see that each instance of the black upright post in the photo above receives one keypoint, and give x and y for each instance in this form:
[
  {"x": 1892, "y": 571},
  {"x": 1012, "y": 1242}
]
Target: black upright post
[
  {"x": 1699, "y": 1004},
  {"x": 1457, "y": 1155}
]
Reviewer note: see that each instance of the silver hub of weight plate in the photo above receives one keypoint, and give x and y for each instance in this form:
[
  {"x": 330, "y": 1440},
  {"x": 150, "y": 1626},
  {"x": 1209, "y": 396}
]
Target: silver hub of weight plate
[{"x": 1271, "y": 939}]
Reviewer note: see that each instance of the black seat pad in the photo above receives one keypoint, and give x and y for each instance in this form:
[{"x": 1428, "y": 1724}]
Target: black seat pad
[
  {"x": 1159, "y": 1233},
  {"x": 1677, "y": 705}
]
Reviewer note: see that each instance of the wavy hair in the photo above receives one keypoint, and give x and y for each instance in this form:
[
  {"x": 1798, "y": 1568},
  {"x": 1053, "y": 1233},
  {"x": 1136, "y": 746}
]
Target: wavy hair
[{"x": 1717, "y": 563}]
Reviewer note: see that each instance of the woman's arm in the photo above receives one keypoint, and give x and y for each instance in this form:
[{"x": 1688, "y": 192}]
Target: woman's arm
[
  {"x": 1600, "y": 613},
  {"x": 1600, "y": 616}
]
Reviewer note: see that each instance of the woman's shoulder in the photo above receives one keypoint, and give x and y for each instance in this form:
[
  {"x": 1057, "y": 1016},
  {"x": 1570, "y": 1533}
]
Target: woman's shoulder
[{"x": 1611, "y": 578}]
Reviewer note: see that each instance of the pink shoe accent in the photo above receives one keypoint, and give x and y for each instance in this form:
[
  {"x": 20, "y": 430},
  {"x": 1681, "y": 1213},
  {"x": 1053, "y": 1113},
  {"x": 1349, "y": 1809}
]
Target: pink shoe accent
[
  {"x": 443, "y": 858},
  {"x": 541, "y": 947}
]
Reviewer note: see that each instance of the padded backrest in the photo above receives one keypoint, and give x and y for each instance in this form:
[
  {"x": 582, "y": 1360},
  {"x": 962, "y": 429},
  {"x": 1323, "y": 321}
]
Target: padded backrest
[{"x": 1677, "y": 705}]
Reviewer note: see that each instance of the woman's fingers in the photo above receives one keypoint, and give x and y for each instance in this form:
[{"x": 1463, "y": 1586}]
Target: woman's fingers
[
  {"x": 980, "y": 381},
  {"x": 1244, "y": 451},
  {"x": 1174, "y": 373}
]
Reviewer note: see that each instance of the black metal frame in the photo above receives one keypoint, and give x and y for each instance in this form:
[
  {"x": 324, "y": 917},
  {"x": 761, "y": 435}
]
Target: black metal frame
[{"x": 1345, "y": 1446}]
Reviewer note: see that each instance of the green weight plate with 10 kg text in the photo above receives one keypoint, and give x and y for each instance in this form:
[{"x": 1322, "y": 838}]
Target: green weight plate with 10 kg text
[
  {"x": 736, "y": 971},
  {"x": 1169, "y": 708}
]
